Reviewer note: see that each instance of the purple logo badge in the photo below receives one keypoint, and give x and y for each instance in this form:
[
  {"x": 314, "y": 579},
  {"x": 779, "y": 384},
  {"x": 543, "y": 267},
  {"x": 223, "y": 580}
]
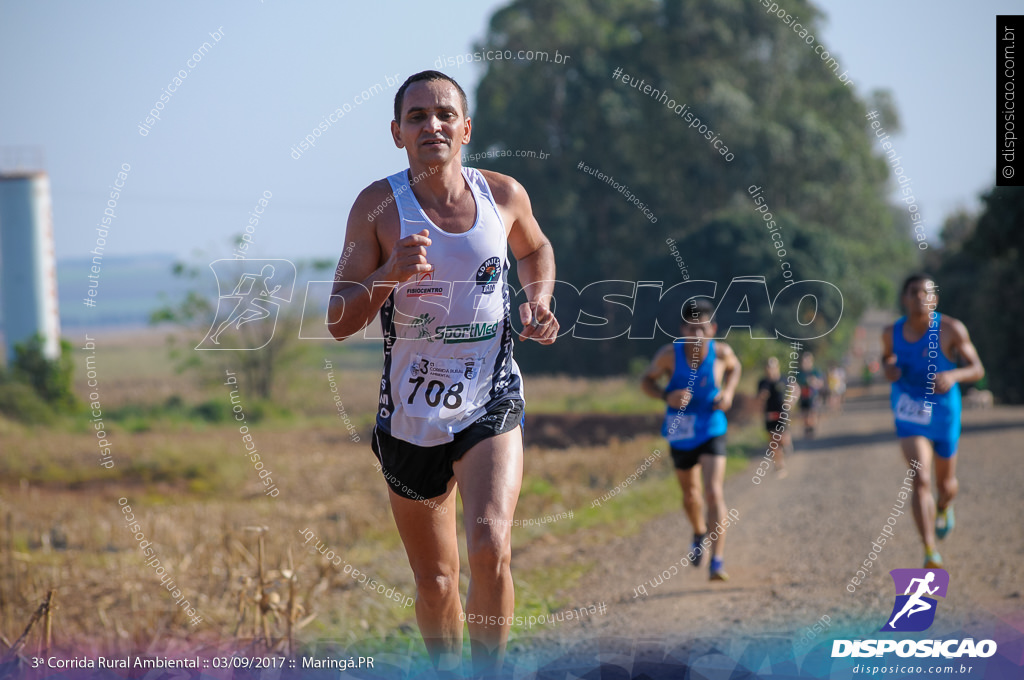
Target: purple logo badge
[{"x": 914, "y": 610}]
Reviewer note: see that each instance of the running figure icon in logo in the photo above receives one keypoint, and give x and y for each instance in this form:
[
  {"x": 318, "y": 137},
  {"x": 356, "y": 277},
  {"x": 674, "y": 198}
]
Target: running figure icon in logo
[
  {"x": 248, "y": 313},
  {"x": 923, "y": 582}
]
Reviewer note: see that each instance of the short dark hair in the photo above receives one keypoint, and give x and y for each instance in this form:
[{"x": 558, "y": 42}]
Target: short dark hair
[
  {"x": 696, "y": 309},
  {"x": 914, "y": 278},
  {"x": 428, "y": 75}
]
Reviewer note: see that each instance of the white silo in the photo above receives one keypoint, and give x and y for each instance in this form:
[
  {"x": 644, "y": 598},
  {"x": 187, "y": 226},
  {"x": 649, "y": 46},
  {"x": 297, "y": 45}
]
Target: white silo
[{"x": 28, "y": 268}]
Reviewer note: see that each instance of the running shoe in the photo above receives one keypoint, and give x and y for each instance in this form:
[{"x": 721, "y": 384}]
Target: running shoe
[
  {"x": 697, "y": 549},
  {"x": 717, "y": 572},
  {"x": 944, "y": 522},
  {"x": 932, "y": 560}
]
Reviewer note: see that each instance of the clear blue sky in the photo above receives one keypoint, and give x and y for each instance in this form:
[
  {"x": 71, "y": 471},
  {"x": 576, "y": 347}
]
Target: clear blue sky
[{"x": 78, "y": 78}]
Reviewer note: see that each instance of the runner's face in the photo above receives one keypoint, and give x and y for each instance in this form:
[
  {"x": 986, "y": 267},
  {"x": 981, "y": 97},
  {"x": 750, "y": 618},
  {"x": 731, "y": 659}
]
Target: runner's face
[
  {"x": 433, "y": 126},
  {"x": 920, "y": 298},
  {"x": 703, "y": 328},
  {"x": 772, "y": 370}
]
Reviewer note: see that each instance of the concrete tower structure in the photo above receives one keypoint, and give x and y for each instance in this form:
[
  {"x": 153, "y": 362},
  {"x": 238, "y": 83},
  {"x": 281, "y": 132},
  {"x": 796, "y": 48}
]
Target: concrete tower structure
[{"x": 28, "y": 267}]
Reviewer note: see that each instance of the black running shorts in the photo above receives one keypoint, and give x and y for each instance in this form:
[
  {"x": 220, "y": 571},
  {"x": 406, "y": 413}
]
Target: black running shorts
[
  {"x": 684, "y": 459},
  {"x": 421, "y": 472}
]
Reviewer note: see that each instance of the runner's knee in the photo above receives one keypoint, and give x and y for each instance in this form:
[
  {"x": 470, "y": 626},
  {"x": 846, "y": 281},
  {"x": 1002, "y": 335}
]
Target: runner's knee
[
  {"x": 714, "y": 496},
  {"x": 436, "y": 586},
  {"x": 948, "y": 487},
  {"x": 489, "y": 549}
]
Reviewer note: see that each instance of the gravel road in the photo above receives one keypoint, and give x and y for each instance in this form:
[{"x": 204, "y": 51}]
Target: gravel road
[{"x": 797, "y": 544}]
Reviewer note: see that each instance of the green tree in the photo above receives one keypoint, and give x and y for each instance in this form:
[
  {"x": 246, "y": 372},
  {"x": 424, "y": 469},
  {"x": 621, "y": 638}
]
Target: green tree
[
  {"x": 35, "y": 388},
  {"x": 795, "y": 130},
  {"x": 981, "y": 282},
  {"x": 50, "y": 378}
]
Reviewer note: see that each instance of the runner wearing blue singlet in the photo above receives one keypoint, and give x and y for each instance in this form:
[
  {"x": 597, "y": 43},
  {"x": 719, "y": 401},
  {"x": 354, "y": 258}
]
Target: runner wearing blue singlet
[
  {"x": 920, "y": 355},
  {"x": 702, "y": 379},
  {"x": 429, "y": 252}
]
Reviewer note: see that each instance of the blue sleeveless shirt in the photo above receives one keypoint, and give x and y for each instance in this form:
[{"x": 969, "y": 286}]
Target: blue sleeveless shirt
[
  {"x": 917, "y": 408},
  {"x": 690, "y": 427}
]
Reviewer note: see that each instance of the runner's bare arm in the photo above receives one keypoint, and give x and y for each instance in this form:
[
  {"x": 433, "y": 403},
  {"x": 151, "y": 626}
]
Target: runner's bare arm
[
  {"x": 961, "y": 346},
  {"x": 535, "y": 259},
  {"x": 662, "y": 364},
  {"x": 731, "y": 378},
  {"x": 892, "y": 372},
  {"x": 370, "y": 272}
]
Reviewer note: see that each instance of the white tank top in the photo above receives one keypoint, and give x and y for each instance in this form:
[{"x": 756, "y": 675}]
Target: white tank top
[{"x": 447, "y": 336}]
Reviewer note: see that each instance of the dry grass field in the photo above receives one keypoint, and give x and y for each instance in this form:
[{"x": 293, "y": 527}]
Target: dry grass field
[{"x": 198, "y": 500}]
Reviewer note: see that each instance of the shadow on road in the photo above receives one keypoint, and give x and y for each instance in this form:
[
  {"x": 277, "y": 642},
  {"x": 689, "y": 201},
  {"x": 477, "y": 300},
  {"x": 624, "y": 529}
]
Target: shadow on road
[
  {"x": 682, "y": 594},
  {"x": 889, "y": 435},
  {"x": 819, "y": 443}
]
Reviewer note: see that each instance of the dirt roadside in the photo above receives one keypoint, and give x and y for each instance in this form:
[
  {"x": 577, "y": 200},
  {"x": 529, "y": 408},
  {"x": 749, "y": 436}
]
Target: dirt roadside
[{"x": 800, "y": 539}]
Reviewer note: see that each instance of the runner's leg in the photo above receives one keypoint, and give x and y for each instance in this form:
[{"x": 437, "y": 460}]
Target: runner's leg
[
  {"x": 490, "y": 476},
  {"x": 779, "y": 454},
  {"x": 714, "y": 481},
  {"x": 693, "y": 500},
  {"x": 945, "y": 480},
  {"x": 919, "y": 449},
  {"x": 431, "y": 543}
]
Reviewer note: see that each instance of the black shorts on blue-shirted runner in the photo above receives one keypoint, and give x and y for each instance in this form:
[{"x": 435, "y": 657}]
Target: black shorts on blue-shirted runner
[{"x": 684, "y": 459}]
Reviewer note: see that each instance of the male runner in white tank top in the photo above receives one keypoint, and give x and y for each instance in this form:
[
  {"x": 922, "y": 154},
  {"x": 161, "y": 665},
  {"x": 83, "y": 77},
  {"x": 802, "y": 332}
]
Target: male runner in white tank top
[{"x": 431, "y": 255}]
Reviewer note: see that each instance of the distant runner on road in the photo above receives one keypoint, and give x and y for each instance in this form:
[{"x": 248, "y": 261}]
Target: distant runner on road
[
  {"x": 920, "y": 353},
  {"x": 811, "y": 383},
  {"x": 702, "y": 379},
  {"x": 836, "y": 380},
  {"x": 772, "y": 391}
]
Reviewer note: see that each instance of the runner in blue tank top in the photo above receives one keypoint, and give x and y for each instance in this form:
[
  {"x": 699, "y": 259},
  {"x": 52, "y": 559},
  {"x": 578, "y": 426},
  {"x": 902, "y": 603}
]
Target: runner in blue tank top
[
  {"x": 451, "y": 395},
  {"x": 702, "y": 379},
  {"x": 920, "y": 355}
]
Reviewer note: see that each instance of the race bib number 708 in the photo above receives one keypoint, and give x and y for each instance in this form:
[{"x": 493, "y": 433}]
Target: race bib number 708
[{"x": 439, "y": 388}]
